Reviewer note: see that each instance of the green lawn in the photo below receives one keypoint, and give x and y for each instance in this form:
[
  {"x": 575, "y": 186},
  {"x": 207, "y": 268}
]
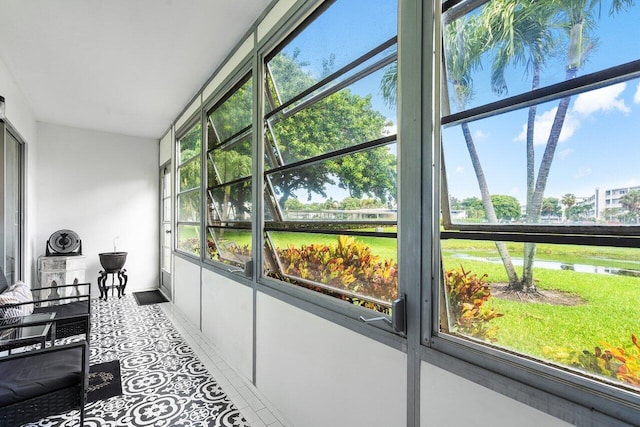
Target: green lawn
[{"x": 610, "y": 311}]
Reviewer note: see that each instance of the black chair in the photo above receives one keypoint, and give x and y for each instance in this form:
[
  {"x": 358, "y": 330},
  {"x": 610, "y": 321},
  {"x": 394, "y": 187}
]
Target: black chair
[
  {"x": 39, "y": 383},
  {"x": 69, "y": 310}
]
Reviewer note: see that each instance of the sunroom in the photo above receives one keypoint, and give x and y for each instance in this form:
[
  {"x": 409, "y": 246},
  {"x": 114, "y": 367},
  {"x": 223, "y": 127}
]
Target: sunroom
[{"x": 370, "y": 212}]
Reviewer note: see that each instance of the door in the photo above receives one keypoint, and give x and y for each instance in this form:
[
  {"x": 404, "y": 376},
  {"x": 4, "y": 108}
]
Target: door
[
  {"x": 13, "y": 167},
  {"x": 165, "y": 230}
]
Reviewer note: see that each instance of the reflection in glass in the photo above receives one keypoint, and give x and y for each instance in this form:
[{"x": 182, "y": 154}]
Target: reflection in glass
[
  {"x": 230, "y": 162},
  {"x": 190, "y": 144},
  {"x": 357, "y": 186},
  {"x": 189, "y": 175},
  {"x": 233, "y": 115},
  {"x": 362, "y": 270},
  {"x": 189, "y": 238},
  {"x": 589, "y": 178},
  {"x": 341, "y": 120},
  {"x": 230, "y": 246},
  {"x": 584, "y": 299},
  {"x": 487, "y": 59},
  {"x": 230, "y": 202},
  {"x": 189, "y": 206},
  {"x": 345, "y": 31}
]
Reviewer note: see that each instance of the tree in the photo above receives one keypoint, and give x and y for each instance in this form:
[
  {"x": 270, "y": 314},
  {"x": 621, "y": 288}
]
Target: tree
[
  {"x": 568, "y": 200},
  {"x": 465, "y": 42},
  {"x": 473, "y": 207},
  {"x": 521, "y": 30},
  {"x": 340, "y": 120},
  {"x": 551, "y": 207},
  {"x": 631, "y": 202},
  {"x": 507, "y": 207}
]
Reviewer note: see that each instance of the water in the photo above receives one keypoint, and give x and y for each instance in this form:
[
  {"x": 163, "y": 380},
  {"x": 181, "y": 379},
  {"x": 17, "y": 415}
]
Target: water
[{"x": 554, "y": 265}]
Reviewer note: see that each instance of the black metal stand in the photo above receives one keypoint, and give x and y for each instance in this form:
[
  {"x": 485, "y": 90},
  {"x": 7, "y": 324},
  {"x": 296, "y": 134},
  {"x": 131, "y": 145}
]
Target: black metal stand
[{"x": 122, "y": 282}]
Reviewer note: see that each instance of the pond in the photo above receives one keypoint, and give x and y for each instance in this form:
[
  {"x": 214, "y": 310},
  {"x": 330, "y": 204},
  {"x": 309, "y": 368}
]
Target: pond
[{"x": 554, "y": 265}]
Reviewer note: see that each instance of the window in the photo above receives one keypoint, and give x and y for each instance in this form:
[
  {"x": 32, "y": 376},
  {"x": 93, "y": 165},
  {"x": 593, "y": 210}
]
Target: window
[
  {"x": 331, "y": 155},
  {"x": 189, "y": 190},
  {"x": 229, "y": 177},
  {"x": 539, "y": 121}
]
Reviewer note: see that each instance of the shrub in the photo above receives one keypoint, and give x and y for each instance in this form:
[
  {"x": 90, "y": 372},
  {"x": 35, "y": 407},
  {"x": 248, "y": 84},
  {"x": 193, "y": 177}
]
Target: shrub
[
  {"x": 349, "y": 265},
  {"x": 467, "y": 295},
  {"x": 613, "y": 362}
]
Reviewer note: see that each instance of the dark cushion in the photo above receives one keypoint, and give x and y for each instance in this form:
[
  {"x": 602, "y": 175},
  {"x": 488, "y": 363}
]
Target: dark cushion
[
  {"x": 3, "y": 281},
  {"x": 39, "y": 374}
]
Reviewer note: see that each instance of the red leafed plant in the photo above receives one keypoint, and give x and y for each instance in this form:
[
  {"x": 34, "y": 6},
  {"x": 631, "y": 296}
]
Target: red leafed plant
[
  {"x": 609, "y": 361},
  {"x": 467, "y": 295},
  {"x": 349, "y": 265}
]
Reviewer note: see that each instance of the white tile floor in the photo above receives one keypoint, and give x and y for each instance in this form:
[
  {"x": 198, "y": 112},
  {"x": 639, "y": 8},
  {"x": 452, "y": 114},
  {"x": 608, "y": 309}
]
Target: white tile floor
[{"x": 253, "y": 406}]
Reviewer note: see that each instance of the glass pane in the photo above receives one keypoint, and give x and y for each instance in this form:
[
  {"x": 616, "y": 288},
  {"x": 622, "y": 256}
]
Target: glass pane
[
  {"x": 590, "y": 178},
  {"x": 12, "y": 197},
  {"x": 229, "y": 246},
  {"x": 190, "y": 144},
  {"x": 359, "y": 186},
  {"x": 230, "y": 162},
  {"x": 362, "y": 270},
  {"x": 189, "y": 206},
  {"x": 189, "y": 175},
  {"x": 234, "y": 114},
  {"x": 486, "y": 59},
  {"x": 345, "y": 31},
  {"x": 166, "y": 235},
  {"x": 230, "y": 203},
  {"x": 189, "y": 238},
  {"x": 166, "y": 184},
  {"x": 580, "y": 311},
  {"x": 354, "y": 115}
]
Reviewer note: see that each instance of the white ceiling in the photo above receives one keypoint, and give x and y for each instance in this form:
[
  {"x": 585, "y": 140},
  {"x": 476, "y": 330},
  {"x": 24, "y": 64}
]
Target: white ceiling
[{"x": 122, "y": 66}]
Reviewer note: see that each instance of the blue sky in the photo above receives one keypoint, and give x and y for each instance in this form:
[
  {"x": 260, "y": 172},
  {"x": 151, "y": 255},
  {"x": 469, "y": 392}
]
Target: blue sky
[{"x": 600, "y": 142}]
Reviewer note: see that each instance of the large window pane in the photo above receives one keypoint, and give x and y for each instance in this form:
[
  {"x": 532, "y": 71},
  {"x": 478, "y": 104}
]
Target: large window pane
[
  {"x": 189, "y": 206},
  {"x": 361, "y": 270},
  {"x": 345, "y": 31},
  {"x": 231, "y": 202},
  {"x": 190, "y": 144},
  {"x": 357, "y": 186},
  {"x": 233, "y": 115},
  {"x": 583, "y": 314},
  {"x": 189, "y": 175},
  {"x": 189, "y": 238},
  {"x": 501, "y": 50},
  {"x": 344, "y": 119},
  {"x": 230, "y": 162},
  {"x": 582, "y": 174}
]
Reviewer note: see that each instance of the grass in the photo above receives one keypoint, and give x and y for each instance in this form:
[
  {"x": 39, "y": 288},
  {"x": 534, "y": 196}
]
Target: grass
[{"x": 609, "y": 313}]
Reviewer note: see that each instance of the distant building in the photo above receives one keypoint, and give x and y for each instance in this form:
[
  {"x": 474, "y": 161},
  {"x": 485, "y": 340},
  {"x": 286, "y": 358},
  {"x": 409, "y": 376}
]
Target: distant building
[{"x": 607, "y": 199}]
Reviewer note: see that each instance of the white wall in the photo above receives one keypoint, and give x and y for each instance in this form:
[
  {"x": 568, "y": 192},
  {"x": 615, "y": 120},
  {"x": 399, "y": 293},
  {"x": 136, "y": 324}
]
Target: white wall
[
  {"x": 449, "y": 400},
  {"x": 227, "y": 320},
  {"x": 186, "y": 289},
  {"x": 320, "y": 374},
  {"x": 100, "y": 185}
]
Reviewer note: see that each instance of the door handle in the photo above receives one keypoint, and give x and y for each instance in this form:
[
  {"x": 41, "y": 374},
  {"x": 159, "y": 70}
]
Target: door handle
[{"x": 398, "y": 319}]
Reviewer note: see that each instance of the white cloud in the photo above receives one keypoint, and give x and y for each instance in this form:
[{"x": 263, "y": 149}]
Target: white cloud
[
  {"x": 480, "y": 135},
  {"x": 604, "y": 99},
  {"x": 459, "y": 169},
  {"x": 563, "y": 154},
  {"x": 543, "y": 124},
  {"x": 390, "y": 130},
  {"x": 636, "y": 97},
  {"x": 583, "y": 172}
]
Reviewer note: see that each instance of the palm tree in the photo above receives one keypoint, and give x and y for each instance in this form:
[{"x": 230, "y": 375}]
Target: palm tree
[
  {"x": 465, "y": 42},
  {"x": 567, "y": 201},
  {"x": 522, "y": 31}
]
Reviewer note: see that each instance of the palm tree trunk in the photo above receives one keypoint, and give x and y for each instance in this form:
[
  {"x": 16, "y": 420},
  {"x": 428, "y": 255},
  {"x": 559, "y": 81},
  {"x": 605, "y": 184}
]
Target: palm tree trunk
[
  {"x": 488, "y": 205},
  {"x": 530, "y": 248}
]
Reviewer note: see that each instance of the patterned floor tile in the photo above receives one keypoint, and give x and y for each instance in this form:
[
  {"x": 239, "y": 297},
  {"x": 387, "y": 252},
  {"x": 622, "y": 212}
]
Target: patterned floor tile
[{"x": 163, "y": 381}]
